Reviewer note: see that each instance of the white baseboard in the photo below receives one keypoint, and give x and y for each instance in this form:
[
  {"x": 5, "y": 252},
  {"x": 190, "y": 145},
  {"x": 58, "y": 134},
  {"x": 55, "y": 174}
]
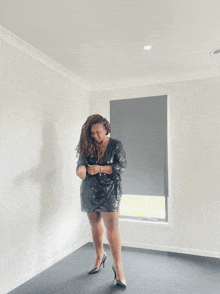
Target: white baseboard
[
  {"x": 172, "y": 249},
  {"x": 169, "y": 249}
]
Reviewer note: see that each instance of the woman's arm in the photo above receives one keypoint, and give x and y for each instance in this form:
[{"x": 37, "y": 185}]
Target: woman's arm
[
  {"x": 81, "y": 161},
  {"x": 81, "y": 167},
  {"x": 106, "y": 169},
  {"x": 81, "y": 172},
  {"x": 119, "y": 162}
]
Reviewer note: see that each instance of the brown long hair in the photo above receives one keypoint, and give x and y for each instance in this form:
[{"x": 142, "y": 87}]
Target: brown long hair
[{"x": 87, "y": 146}]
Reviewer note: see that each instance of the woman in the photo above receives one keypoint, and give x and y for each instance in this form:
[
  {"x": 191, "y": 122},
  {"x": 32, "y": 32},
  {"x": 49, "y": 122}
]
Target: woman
[{"x": 101, "y": 162}]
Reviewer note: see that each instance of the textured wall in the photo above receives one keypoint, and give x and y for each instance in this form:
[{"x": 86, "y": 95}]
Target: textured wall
[
  {"x": 42, "y": 113},
  {"x": 194, "y": 168}
]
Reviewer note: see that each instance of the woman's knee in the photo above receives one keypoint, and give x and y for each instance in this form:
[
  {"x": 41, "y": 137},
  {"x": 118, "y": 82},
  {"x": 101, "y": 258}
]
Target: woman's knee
[
  {"x": 110, "y": 221},
  {"x": 94, "y": 218}
]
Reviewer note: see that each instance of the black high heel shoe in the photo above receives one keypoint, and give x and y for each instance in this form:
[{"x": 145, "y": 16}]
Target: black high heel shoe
[
  {"x": 121, "y": 283},
  {"x": 96, "y": 270}
]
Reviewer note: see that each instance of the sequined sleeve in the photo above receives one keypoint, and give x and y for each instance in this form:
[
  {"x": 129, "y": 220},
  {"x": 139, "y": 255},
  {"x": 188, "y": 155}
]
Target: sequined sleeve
[
  {"x": 119, "y": 162},
  {"x": 81, "y": 161}
]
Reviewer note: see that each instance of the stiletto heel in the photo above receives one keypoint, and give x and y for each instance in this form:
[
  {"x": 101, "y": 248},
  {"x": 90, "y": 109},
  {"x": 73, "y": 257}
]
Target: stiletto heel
[
  {"x": 103, "y": 262},
  {"x": 114, "y": 272},
  {"x": 121, "y": 283},
  {"x": 96, "y": 270}
]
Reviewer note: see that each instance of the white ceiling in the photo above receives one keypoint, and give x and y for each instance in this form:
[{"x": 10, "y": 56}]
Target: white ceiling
[{"x": 101, "y": 41}]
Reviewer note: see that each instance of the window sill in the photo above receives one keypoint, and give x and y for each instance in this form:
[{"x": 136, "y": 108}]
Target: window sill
[{"x": 145, "y": 220}]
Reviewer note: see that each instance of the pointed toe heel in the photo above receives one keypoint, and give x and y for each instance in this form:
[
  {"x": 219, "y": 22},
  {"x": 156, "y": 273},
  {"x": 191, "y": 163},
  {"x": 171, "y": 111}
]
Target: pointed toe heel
[
  {"x": 96, "y": 270},
  {"x": 121, "y": 283}
]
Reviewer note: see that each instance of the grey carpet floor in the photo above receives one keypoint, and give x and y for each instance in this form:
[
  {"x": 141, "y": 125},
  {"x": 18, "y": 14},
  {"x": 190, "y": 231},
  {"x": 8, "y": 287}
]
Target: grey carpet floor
[{"x": 146, "y": 271}]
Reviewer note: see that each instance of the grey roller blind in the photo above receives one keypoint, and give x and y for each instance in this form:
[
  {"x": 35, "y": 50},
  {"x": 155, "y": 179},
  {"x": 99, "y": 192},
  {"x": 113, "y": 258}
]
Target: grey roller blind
[{"x": 141, "y": 125}]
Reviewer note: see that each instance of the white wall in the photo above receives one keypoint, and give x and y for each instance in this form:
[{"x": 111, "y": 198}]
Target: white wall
[
  {"x": 194, "y": 161},
  {"x": 42, "y": 113}
]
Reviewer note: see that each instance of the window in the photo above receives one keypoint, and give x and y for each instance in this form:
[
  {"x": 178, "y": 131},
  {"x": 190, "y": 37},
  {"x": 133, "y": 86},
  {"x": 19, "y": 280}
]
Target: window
[
  {"x": 141, "y": 125},
  {"x": 143, "y": 207}
]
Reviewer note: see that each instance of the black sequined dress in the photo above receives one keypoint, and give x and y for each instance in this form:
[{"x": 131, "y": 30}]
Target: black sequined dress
[{"x": 103, "y": 192}]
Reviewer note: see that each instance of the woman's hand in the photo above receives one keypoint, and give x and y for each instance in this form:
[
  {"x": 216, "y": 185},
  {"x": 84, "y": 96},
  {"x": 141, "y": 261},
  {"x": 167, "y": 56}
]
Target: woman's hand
[
  {"x": 93, "y": 169},
  {"x": 81, "y": 172}
]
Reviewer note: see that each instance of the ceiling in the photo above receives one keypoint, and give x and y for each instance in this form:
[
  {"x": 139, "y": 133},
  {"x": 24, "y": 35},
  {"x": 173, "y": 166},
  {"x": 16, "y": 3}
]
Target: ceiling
[{"x": 101, "y": 41}]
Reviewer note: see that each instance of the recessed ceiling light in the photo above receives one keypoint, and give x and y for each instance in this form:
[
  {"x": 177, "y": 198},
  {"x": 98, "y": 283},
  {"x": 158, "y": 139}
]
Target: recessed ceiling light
[
  {"x": 215, "y": 52},
  {"x": 147, "y": 47}
]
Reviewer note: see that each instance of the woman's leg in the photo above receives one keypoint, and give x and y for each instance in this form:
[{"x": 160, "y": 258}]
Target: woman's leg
[
  {"x": 97, "y": 233},
  {"x": 113, "y": 235}
]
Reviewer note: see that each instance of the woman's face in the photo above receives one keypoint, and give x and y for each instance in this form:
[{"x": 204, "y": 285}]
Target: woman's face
[{"x": 98, "y": 132}]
